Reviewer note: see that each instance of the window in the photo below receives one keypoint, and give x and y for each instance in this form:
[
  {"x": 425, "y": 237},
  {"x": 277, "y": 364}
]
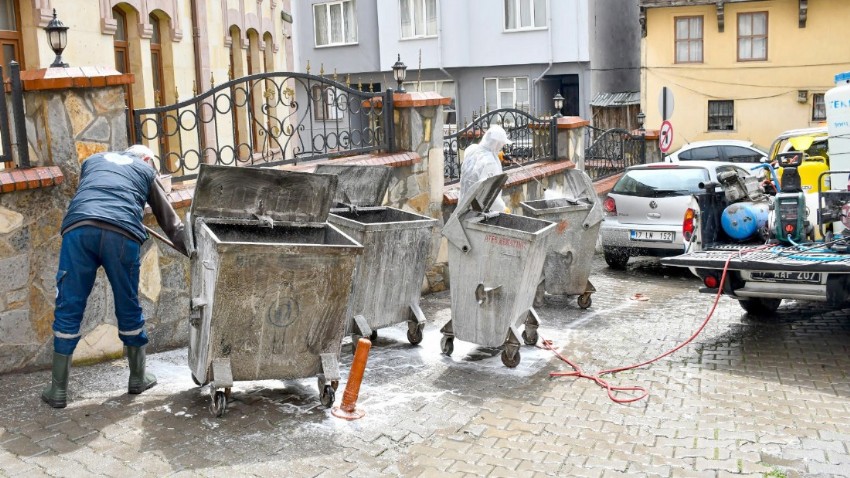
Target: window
[
  {"x": 10, "y": 36},
  {"x": 335, "y": 23},
  {"x": 818, "y": 107},
  {"x": 688, "y": 39},
  {"x": 752, "y": 36},
  {"x": 326, "y": 107},
  {"x": 707, "y": 153},
  {"x": 525, "y": 14},
  {"x": 721, "y": 115},
  {"x": 506, "y": 93},
  {"x": 121, "y": 48},
  {"x": 418, "y": 18},
  {"x": 739, "y": 154}
]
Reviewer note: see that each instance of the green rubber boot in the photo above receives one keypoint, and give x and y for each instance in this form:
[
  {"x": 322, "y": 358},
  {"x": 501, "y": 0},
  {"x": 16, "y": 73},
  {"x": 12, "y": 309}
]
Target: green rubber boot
[
  {"x": 139, "y": 380},
  {"x": 56, "y": 395}
]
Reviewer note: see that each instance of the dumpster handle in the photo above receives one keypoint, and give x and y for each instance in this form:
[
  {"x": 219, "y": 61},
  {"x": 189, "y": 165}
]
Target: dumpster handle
[{"x": 484, "y": 294}]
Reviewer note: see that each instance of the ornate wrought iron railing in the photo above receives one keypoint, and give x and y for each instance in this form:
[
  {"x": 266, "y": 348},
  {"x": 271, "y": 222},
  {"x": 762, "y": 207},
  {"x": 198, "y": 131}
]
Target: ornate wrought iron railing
[
  {"x": 534, "y": 139},
  {"x": 264, "y": 120},
  {"x": 612, "y": 151}
]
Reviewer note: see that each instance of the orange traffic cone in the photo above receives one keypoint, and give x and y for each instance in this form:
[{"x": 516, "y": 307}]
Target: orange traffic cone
[{"x": 348, "y": 409}]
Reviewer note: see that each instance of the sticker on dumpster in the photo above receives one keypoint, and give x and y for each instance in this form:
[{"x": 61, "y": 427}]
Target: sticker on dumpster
[{"x": 504, "y": 241}]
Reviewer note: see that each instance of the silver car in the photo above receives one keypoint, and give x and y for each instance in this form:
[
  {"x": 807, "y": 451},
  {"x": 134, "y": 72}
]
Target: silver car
[{"x": 645, "y": 211}]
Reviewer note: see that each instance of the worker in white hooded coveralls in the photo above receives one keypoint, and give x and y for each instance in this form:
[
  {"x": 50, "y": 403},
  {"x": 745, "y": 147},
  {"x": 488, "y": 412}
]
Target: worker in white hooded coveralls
[{"x": 481, "y": 161}]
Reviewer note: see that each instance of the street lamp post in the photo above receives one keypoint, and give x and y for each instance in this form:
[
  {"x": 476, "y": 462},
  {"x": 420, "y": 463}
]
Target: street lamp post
[
  {"x": 559, "y": 104},
  {"x": 57, "y": 37},
  {"x": 399, "y": 72}
]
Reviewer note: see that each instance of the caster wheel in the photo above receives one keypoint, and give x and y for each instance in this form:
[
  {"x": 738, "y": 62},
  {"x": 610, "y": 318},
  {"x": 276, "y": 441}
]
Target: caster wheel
[
  {"x": 529, "y": 337},
  {"x": 510, "y": 361},
  {"x": 414, "y": 334},
  {"x": 219, "y": 404},
  {"x": 374, "y": 336},
  {"x": 195, "y": 379},
  {"x": 584, "y": 301},
  {"x": 327, "y": 396},
  {"x": 447, "y": 344}
]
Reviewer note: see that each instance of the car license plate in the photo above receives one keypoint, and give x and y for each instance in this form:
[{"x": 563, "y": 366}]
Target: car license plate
[
  {"x": 657, "y": 236},
  {"x": 786, "y": 276}
]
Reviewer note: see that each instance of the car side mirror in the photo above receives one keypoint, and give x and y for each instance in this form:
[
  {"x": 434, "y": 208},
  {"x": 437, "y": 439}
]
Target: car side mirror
[{"x": 763, "y": 160}]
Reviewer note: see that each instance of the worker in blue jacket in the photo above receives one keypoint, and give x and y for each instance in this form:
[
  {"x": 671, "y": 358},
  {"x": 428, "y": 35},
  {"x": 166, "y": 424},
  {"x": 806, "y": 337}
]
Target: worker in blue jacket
[{"x": 103, "y": 228}]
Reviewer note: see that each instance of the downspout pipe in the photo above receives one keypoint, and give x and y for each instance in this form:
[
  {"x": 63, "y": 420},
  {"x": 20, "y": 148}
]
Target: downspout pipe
[
  {"x": 440, "y": 66},
  {"x": 199, "y": 79},
  {"x": 551, "y": 58}
]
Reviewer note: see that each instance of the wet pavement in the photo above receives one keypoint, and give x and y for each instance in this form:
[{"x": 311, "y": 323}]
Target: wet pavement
[{"x": 749, "y": 397}]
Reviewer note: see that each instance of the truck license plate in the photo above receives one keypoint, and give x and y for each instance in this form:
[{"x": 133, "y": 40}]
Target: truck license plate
[
  {"x": 786, "y": 276},
  {"x": 658, "y": 236}
]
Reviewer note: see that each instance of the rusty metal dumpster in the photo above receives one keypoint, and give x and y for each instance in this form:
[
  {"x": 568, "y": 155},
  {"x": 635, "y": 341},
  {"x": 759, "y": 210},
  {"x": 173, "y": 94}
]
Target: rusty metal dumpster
[
  {"x": 572, "y": 245},
  {"x": 270, "y": 279},
  {"x": 396, "y": 245},
  {"x": 495, "y": 260}
]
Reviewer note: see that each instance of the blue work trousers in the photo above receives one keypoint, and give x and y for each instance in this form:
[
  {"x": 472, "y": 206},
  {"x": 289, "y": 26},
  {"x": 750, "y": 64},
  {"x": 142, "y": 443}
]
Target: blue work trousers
[{"x": 84, "y": 250}]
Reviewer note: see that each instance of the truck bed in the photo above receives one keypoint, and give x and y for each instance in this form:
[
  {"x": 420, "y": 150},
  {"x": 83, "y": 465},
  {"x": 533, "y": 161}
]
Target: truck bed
[{"x": 782, "y": 258}]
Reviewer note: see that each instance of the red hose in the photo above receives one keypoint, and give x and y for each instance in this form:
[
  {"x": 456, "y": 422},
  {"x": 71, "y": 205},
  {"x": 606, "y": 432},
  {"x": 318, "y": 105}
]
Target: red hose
[{"x": 578, "y": 372}]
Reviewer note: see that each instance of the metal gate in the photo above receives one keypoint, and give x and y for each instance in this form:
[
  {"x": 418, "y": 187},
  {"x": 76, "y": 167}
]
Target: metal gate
[
  {"x": 612, "y": 151},
  {"x": 534, "y": 139},
  {"x": 266, "y": 119}
]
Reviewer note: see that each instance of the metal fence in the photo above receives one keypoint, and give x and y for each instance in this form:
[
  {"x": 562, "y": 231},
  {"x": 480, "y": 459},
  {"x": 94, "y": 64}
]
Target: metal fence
[
  {"x": 534, "y": 139},
  {"x": 264, "y": 120},
  {"x": 611, "y": 151}
]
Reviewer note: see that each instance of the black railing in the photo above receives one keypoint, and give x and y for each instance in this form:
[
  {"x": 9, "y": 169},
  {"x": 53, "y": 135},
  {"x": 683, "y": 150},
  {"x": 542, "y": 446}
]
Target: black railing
[
  {"x": 612, "y": 151},
  {"x": 534, "y": 139},
  {"x": 266, "y": 119}
]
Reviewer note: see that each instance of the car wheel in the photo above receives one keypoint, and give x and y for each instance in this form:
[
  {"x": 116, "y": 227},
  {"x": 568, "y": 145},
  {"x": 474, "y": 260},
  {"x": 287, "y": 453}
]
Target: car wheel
[
  {"x": 616, "y": 258},
  {"x": 760, "y": 307}
]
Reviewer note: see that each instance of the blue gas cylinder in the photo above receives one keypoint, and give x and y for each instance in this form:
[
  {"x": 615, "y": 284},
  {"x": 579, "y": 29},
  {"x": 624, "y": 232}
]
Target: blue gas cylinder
[{"x": 742, "y": 220}]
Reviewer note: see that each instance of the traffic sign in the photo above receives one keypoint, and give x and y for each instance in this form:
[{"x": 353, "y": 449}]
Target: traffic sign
[
  {"x": 665, "y": 103},
  {"x": 665, "y": 136}
]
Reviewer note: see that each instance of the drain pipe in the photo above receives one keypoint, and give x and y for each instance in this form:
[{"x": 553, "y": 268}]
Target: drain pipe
[
  {"x": 551, "y": 56},
  {"x": 440, "y": 66}
]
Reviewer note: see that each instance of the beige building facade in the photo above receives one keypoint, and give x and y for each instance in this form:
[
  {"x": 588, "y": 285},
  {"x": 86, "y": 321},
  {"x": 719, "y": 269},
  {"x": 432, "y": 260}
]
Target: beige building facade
[
  {"x": 741, "y": 69},
  {"x": 175, "y": 48}
]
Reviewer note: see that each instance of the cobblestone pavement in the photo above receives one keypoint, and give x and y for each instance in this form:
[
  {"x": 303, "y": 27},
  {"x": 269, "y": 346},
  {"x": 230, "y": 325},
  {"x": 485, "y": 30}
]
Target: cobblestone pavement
[{"x": 748, "y": 397}]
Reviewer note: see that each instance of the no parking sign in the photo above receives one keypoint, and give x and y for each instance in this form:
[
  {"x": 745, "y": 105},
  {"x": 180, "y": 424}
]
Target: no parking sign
[{"x": 665, "y": 136}]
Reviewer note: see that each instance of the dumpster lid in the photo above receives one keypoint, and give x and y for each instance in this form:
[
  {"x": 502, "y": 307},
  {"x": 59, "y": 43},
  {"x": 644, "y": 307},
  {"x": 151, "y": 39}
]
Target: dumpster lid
[
  {"x": 482, "y": 195},
  {"x": 358, "y": 185},
  {"x": 262, "y": 194}
]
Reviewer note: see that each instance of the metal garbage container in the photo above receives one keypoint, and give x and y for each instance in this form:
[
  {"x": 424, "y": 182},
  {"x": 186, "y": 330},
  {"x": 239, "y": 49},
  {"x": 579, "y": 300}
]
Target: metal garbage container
[
  {"x": 396, "y": 244},
  {"x": 495, "y": 260},
  {"x": 572, "y": 245},
  {"x": 270, "y": 279}
]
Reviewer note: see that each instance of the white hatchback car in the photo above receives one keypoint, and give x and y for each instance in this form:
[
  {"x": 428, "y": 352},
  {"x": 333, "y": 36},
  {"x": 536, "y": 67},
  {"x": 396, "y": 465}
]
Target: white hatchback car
[
  {"x": 645, "y": 210},
  {"x": 741, "y": 153}
]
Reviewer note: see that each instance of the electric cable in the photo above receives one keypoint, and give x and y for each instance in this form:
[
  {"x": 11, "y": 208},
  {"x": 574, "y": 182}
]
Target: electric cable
[{"x": 612, "y": 390}]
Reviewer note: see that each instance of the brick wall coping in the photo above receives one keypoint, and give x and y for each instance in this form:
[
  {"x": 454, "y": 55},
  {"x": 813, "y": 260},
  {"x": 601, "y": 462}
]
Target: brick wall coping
[
  {"x": 516, "y": 177},
  {"x": 30, "y": 178},
  {"x": 572, "y": 122},
  {"x": 604, "y": 186},
  {"x": 650, "y": 133},
  {"x": 411, "y": 100},
  {"x": 73, "y": 77},
  {"x": 181, "y": 197}
]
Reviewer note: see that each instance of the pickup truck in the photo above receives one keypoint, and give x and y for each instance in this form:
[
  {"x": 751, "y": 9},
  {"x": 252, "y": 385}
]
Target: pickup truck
[{"x": 760, "y": 272}]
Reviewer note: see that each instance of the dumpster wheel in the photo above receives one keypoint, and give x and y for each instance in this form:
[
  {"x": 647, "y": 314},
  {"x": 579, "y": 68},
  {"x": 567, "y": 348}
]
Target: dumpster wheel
[
  {"x": 219, "y": 403},
  {"x": 447, "y": 344},
  {"x": 327, "y": 396},
  {"x": 530, "y": 336},
  {"x": 414, "y": 333},
  {"x": 511, "y": 360},
  {"x": 584, "y": 300}
]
